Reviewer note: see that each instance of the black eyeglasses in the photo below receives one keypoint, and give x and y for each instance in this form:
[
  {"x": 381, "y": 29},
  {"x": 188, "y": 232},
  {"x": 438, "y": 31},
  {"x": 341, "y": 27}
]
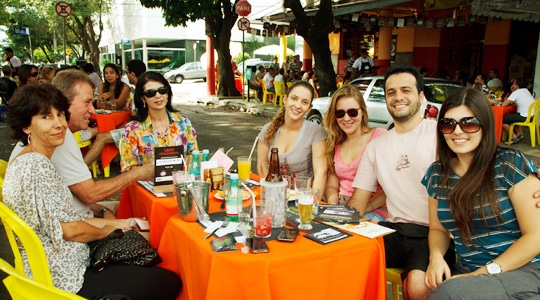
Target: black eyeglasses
[
  {"x": 34, "y": 74},
  {"x": 353, "y": 113},
  {"x": 468, "y": 125},
  {"x": 151, "y": 93}
]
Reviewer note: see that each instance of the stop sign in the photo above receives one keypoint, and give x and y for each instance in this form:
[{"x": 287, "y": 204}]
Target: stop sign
[{"x": 243, "y": 8}]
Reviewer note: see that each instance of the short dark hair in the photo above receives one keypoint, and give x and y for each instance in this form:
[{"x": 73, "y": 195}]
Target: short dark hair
[
  {"x": 406, "y": 69},
  {"x": 483, "y": 76},
  {"x": 495, "y": 70},
  {"x": 88, "y": 68},
  {"x": 29, "y": 101},
  {"x": 8, "y": 49},
  {"x": 521, "y": 83},
  {"x": 136, "y": 66}
]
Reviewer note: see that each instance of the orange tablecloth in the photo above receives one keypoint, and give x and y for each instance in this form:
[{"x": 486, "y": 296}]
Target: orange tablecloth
[
  {"x": 498, "y": 113},
  {"x": 353, "y": 268},
  {"x": 106, "y": 123}
]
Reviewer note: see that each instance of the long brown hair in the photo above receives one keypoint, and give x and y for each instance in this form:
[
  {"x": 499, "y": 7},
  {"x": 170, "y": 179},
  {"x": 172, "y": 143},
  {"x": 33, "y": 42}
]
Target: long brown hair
[
  {"x": 279, "y": 118},
  {"x": 335, "y": 134},
  {"x": 475, "y": 192}
]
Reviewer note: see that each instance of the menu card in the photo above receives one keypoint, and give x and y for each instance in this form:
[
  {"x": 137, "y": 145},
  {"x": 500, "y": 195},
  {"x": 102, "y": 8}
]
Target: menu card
[
  {"x": 364, "y": 228},
  {"x": 337, "y": 213},
  {"x": 224, "y": 244},
  {"x": 166, "y": 160},
  {"x": 327, "y": 235}
]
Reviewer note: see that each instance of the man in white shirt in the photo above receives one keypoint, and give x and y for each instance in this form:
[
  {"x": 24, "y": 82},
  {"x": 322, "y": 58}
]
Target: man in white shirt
[
  {"x": 269, "y": 80},
  {"x": 363, "y": 65},
  {"x": 13, "y": 60},
  {"x": 494, "y": 83},
  {"x": 522, "y": 98},
  {"x": 398, "y": 160}
]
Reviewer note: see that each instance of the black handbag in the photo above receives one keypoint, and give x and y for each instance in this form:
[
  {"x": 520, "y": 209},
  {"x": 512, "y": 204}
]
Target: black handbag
[{"x": 129, "y": 248}]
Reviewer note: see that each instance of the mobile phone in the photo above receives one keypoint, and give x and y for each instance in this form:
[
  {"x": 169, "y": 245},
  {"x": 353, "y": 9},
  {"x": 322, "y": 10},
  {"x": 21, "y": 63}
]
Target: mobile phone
[
  {"x": 288, "y": 235},
  {"x": 257, "y": 245}
]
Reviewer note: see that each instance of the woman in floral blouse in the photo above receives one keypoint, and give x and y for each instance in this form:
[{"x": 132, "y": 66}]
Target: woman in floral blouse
[{"x": 156, "y": 124}]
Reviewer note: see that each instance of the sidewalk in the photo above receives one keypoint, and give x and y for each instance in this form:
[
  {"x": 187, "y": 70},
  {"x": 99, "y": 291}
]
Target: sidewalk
[{"x": 269, "y": 110}]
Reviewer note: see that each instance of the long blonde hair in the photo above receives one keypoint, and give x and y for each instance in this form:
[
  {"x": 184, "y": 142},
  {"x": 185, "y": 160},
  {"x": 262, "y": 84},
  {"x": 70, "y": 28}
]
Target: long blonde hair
[
  {"x": 279, "y": 118},
  {"x": 335, "y": 133}
]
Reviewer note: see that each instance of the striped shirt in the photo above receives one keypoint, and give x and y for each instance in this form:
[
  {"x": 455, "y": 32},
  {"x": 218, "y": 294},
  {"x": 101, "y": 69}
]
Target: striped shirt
[{"x": 510, "y": 168}]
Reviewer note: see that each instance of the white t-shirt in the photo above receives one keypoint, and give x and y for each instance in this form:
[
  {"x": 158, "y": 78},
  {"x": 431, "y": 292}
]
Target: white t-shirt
[
  {"x": 268, "y": 80},
  {"x": 279, "y": 78},
  {"x": 15, "y": 62},
  {"x": 495, "y": 83},
  {"x": 398, "y": 161},
  {"x": 68, "y": 161},
  {"x": 522, "y": 98}
]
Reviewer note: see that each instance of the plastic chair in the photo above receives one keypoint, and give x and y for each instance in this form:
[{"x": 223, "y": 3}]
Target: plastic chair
[
  {"x": 394, "y": 276},
  {"x": 531, "y": 122},
  {"x": 85, "y": 144},
  {"x": 3, "y": 167},
  {"x": 22, "y": 287},
  {"x": 280, "y": 92},
  {"x": 266, "y": 92}
]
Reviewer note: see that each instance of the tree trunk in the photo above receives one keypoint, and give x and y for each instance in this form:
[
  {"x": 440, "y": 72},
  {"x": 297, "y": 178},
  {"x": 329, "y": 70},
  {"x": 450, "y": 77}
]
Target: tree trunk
[{"x": 315, "y": 32}]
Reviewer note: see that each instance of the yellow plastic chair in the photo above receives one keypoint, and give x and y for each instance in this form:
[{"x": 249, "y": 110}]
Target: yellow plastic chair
[
  {"x": 531, "y": 122},
  {"x": 394, "y": 276},
  {"x": 3, "y": 167},
  {"x": 1, "y": 185},
  {"x": 17, "y": 283},
  {"x": 280, "y": 92},
  {"x": 88, "y": 144},
  {"x": 339, "y": 85},
  {"x": 266, "y": 92}
]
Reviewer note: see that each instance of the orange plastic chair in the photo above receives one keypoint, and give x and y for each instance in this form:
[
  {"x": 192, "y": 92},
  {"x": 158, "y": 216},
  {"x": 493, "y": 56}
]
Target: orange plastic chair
[
  {"x": 266, "y": 92},
  {"x": 280, "y": 92},
  {"x": 531, "y": 122},
  {"x": 17, "y": 283}
]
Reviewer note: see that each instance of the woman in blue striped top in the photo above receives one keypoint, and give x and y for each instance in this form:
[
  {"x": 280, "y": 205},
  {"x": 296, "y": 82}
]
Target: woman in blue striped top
[{"x": 482, "y": 196}]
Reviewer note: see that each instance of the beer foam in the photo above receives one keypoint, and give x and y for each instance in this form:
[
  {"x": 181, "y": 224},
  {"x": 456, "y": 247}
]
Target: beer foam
[{"x": 305, "y": 199}]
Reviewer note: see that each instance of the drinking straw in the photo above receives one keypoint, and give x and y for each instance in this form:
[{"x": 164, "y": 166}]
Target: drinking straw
[
  {"x": 252, "y": 202},
  {"x": 253, "y": 147}
]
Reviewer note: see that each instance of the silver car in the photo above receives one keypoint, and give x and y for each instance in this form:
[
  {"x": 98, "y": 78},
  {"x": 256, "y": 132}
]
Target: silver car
[
  {"x": 191, "y": 70},
  {"x": 372, "y": 89}
]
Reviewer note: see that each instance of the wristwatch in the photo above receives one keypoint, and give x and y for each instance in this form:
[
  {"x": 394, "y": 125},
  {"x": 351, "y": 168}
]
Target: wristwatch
[
  {"x": 103, "y": 211},
  {"x": 493, "y": 267}
]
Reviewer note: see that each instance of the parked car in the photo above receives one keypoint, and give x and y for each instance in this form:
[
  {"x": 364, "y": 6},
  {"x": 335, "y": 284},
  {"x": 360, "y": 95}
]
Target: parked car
[
  {"x": 191, "y": 70},
  {"x": 372, "y": 89}
]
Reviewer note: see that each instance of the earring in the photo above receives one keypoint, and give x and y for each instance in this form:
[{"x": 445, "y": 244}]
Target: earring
[
  {"x": 144, "y": 104},
  {"x": 28, "y": 138}
]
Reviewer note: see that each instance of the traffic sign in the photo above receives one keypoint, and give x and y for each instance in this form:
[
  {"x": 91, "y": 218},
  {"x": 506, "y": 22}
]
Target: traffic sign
[
  {"x": 243, "y": 8},
  {"x": 243, "y": 24},
  {"x": 63, "y": 9}
]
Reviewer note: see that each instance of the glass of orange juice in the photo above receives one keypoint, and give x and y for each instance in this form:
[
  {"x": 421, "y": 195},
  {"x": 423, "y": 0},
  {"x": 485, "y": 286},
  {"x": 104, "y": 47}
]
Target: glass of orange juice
[{"x": 244, "y": 167}]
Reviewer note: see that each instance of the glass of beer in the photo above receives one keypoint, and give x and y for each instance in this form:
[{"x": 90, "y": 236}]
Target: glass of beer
[
  {"x": 244, "y": 168},
  {"x": 305, "y": 208}
]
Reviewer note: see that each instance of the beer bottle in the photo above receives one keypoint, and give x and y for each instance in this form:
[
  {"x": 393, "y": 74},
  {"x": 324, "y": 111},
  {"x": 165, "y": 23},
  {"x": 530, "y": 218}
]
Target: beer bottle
[{"x": 273, "y": 169}]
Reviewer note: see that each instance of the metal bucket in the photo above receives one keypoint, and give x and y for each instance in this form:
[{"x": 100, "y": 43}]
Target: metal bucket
[{"x": 186, "y": 194}]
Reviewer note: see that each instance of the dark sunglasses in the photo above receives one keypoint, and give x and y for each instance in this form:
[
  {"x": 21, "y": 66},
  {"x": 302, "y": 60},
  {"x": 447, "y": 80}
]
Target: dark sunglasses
[
  {"x": 34, "y": 74},
  {"x": 468, "y": 125},
  {"x": 151, "y": 93},
  {"x": 353, "y": 113}
]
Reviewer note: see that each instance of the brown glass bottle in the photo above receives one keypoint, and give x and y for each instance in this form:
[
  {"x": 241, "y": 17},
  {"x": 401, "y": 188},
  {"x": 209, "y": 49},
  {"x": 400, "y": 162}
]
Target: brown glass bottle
[{"x": 273, "y": 169}]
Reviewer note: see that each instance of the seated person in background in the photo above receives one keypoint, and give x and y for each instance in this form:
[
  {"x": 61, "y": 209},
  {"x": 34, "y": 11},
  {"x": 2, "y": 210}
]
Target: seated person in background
[
  {"x": 28, "y": 74},
  {"x": 348, "y": 134},
  {"x": 113, "y": 89},
  {"x": 46, "y": 74},
  {"x": 68, "y": 160},
  {"x": 522, "y": 98},
  {"x": 494, "y": 83},
  {"x": 481, "y": 196},
  {"x": 254, "y": 84},
  {"x": 34, "y": 190},
  {"x": 89, "y": 69},
  {"x": 301, "y": 143},
  {"x": 279, "y": 77},
  {"x": 156, "y": 124},
  {"x": 269, "y": 80},
  {"x": 481, "y": 80}
]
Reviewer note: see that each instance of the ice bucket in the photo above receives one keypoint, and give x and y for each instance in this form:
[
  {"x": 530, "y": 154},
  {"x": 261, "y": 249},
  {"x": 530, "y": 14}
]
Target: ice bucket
[{"x": 186, "y": 194}]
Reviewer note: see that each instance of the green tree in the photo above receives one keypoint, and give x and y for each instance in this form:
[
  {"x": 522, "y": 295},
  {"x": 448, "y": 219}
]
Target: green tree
[
  {"x": 315, "y": 31},
  {"x": 252, "y": 44},
  {"x": 220, "y": 17}
]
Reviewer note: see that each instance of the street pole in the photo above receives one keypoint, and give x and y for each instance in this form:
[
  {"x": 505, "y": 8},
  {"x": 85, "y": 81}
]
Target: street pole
[
  {"x": 64, "y": 23},
  {"x": 244, "y": 70},
  {"x": 30, "y": 43}
]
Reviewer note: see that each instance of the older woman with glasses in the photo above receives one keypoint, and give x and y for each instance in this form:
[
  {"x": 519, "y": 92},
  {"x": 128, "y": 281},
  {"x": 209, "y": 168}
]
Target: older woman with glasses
[
  {"x": 156, "y": 124},
  {"x": 348, "y": 134},
  {"x": 28, "y": 74},
  {"x": 481, "y": 195}
]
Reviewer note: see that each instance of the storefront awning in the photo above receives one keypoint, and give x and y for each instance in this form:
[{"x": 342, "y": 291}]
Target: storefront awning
[
  {"x": 524, "y": 10},
  {"x": 338, "y": 9}
]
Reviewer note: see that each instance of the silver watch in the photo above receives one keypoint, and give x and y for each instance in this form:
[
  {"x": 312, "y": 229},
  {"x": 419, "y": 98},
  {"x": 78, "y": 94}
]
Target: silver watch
[{"x": 493, "y": 267}]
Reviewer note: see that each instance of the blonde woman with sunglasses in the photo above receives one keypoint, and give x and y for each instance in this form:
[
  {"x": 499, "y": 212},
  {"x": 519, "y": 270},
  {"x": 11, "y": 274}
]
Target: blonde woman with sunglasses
[
  {"x": 156, "y": 123},
  {"x": 348, "y": 134},
  {"x": 481, "y": 195}
]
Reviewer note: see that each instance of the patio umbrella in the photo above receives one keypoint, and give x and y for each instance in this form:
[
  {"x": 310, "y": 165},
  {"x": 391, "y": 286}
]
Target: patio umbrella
[{"x": 271, "y": 50}]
